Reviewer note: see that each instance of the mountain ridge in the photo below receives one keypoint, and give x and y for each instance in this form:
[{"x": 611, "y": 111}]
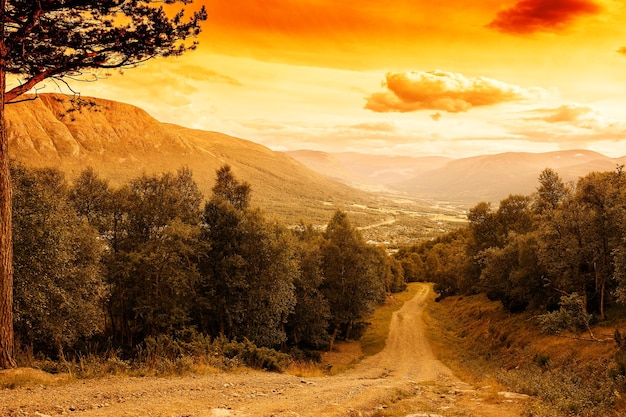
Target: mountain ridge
[
  {"x": 122, "y": 142},
  {"x": 472, "y": 179}
]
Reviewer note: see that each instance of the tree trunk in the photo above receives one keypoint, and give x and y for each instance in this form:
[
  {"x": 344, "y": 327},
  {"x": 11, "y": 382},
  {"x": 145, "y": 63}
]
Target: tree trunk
[
  {"x": 349, "y": 329},
  {"x": 602, "y": 299},
  {"x": 331, "y": 343},
  {"x": 6, "y": 238}
]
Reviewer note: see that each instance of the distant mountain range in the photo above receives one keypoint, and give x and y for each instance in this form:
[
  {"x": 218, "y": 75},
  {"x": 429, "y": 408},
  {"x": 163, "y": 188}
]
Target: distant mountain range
[
  {"x": 467, "y": 180},
  {"x": 121, "y": 141}
]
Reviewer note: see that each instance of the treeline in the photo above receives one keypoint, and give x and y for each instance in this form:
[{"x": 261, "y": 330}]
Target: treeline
[
  {"x": 563, "y": 247},
  {"x": 98, "y": 267}
]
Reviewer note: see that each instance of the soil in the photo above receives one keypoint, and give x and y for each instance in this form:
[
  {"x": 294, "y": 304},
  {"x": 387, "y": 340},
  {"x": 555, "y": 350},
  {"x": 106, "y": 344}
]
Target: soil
[{"x": 405, "y": 379}]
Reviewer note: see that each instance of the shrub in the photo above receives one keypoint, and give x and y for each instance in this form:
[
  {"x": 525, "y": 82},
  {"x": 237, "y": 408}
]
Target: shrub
[
  {"x": 251, "y": 355},
  {"x": 570, "y": 316}
]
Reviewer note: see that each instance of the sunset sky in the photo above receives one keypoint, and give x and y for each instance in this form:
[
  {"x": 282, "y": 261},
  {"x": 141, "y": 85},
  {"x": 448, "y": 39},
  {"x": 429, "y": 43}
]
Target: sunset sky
[{"x": 397, "y": 77}]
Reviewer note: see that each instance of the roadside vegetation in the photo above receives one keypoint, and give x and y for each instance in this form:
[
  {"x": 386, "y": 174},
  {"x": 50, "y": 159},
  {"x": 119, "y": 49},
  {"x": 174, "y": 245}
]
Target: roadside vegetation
[
  {"x": 156, "y": 278},
  {"x": 531, "y": 294}
]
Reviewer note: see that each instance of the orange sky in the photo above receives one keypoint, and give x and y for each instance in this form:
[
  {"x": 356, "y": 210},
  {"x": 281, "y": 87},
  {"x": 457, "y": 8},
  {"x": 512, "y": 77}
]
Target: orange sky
[{"x": 409, "y": 77}]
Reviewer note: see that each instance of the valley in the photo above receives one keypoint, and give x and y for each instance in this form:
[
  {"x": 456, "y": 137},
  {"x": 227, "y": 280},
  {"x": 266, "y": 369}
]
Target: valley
[
  {"x": 424, "y": 196},
  {"x": 121, "y": 142},
  {"x": 393, "y": 202}
]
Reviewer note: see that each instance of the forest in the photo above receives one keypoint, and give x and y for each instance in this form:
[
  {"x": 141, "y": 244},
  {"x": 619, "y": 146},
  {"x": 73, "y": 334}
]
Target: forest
[
  {"x": 101, "y": 268},
  {"x": 560, "y": 252}
]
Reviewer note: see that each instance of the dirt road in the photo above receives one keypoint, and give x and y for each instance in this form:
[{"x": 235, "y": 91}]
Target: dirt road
[{"x": 405, "y": 379}]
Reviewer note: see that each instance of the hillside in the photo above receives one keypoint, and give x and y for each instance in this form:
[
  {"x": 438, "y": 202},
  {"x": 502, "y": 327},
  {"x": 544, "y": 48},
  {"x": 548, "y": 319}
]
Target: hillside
[
  {"x": 121, "y": 142},
  {"x": 466, "y": 180},
  {"x": 567, "y": 374}
]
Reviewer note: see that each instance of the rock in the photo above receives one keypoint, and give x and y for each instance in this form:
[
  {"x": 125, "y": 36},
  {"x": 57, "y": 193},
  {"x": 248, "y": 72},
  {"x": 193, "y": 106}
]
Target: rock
[
  {"x": 220, "y": 412},
  {"x": 513, "y": 395}
]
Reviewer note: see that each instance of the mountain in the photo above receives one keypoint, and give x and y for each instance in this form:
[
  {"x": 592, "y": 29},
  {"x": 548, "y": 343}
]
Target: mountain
[
  {"x": 494, "y": 177},
  {"x": 121, "y": 142},
  {"x": 466, "y": 180},
  {"x": 368, "y": 171}
]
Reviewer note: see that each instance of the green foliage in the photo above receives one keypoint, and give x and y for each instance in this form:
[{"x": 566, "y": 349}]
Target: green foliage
[
  {"x": 167, "y": 284},
  {"x": 412, "y": 265},
  {"x": 571, "y": 316},
  {"x": 89, "y": 35},
  {"x": 351, "y": 270},
  {"x": 248, "y": 269},
  {"x": 59, "y": 289},
  {"x": 307, "y": 326},
  {"x": 255, "y": 357},
  {"x": 531, "y": 249},
  {"x": 227, "y": 188},
  {"x": 151, "y": 267},
  {"x": 513, "y": 274}
]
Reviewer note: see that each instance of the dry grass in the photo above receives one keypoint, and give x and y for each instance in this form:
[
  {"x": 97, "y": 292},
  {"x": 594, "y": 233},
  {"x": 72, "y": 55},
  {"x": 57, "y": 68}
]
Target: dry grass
[
  {"x": 568, "y": 374},
  {"x": 343, "y": 356},
  {"x": 306, "y": 369},
  {"x": 28, "y": 377}
]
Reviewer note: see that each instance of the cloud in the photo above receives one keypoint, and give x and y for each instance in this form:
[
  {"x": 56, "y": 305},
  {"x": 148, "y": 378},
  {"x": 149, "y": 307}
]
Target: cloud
[
  {"x": 440, "y": 90},
  {"x": 570, "y": 125},
  {"x": 622, "y": 50},
  {"x": 375, "y": 127},
  {"x": 530, "y": 16},
  {"x": 436, "y": 116},
  {"x": 573, "y": 114}
]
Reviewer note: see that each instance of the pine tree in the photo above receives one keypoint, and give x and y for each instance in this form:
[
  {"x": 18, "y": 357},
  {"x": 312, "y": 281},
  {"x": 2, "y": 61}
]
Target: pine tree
[{"x": 63, "y": 38}]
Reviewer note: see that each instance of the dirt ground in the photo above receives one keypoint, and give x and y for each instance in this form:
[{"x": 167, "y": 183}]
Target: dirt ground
[{"x": 405, "y": 379}]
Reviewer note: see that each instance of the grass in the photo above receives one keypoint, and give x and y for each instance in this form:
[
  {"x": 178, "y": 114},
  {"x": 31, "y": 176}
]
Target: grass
[
  {"x": 346, "y": 354},
  {"x": 306, "y": 369},
  {"x": 375, "y": 337},
  {"x": 28, "y": 377},
  {"x": 566, "y": 375}
]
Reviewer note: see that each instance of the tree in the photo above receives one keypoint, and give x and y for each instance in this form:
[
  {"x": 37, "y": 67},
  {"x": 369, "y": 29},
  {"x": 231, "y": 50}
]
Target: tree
[
  {"x": 412, "y": 265},
  {"x": 600, "y": 196},
  {"x": 223, "y": 280},
  {"x": 351, "y": 284},
  {"x": 563, "y": 248},
  {"x": 228, "y": 188},
  {"x": 154, "y": 225},
  {"x": 513, "y": 274},
  {"x": 59, "y": 289},
  {"x": 246, "y": 288},
  {"x": 91, "y": 197},
  {"x": 307, "y": 326},
  {"x": 63, "y": 38},
  {"x": 484, "y": 227},
  {"x": 551, "y": 191},
  {"x": 270, "y": 269},
  {"x": 515, "y": 216}
]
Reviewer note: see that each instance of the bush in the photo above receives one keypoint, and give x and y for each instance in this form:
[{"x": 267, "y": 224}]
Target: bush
[
  {"x": 250, "y": 355},
  {"x": 570, "y": 316}
]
